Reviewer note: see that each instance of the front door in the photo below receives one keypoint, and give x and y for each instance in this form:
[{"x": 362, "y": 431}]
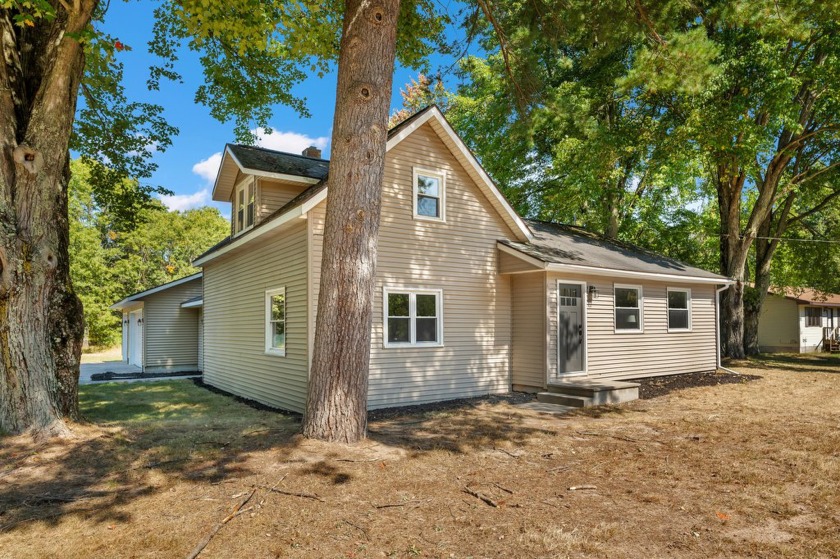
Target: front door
[
  {"x": 135, "y": 338},
  {"x": 570, "y": 337}
]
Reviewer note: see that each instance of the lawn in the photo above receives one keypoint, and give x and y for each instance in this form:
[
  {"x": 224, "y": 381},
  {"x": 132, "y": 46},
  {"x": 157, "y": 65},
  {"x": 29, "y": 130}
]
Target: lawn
[{"x": 736, "y": 470}]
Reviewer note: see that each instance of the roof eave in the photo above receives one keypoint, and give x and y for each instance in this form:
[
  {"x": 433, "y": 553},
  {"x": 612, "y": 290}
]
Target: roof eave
[{"x": 631, "y": 274}]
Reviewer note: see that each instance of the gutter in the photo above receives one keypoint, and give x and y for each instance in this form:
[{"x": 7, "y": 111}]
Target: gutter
[{"x": 717, "y": 328}]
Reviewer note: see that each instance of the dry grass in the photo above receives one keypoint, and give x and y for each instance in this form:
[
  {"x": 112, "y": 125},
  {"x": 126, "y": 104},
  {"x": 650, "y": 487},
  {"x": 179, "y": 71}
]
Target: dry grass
[{"x": 726, "y": 471}]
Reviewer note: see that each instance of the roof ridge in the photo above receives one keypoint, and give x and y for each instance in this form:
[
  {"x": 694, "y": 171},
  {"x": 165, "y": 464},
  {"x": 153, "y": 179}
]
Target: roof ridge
[{"x": 277, "y": 151}]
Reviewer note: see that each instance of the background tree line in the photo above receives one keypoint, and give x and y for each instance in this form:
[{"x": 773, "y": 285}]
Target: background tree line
[
  {"x": 113, "y": 255},
  {"x": 706, "y": 131}
]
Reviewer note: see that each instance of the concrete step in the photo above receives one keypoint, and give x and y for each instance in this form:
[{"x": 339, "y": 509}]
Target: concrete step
[
  {"x": 564, "y": 399},
  {"x": 597, "y": 392}
]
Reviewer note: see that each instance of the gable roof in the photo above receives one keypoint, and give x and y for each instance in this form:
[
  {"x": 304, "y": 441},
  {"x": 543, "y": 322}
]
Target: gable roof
[
  {"x": 316, "y": 193},
  {"x": 263, "y": 162},
  {"x": 567, "y": 248},
  {"x": 804, "y": 296},
  {"x": 139, "y": 296}
]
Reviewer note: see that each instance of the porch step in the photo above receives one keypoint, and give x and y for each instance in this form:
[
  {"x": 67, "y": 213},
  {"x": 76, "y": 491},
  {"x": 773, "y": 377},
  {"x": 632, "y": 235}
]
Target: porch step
[
  {"x": 564, "y": 400},
  {"x": 584, "y": 393}
]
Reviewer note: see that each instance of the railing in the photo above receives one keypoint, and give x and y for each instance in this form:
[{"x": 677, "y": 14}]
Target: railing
[{"x": 831, "y": 339}]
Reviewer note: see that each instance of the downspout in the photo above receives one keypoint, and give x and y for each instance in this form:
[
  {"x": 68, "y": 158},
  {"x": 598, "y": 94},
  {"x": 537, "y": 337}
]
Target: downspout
[{"x": 717, "y": 328}]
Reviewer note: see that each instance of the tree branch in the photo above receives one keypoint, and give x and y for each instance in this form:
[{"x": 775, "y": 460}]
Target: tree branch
[
  {"x": 825, "y": 201},
  {"x": 503, "y": 46}
]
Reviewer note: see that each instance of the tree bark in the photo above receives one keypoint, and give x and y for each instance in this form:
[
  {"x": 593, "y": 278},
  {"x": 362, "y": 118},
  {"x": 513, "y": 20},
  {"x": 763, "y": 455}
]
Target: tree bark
[
  {"x": 41, "y": 324},
  {"x": 336, "y": 408}
]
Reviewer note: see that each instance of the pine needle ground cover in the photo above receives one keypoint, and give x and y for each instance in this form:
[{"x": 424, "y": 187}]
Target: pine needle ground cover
[{"x": 748, "y": 469}]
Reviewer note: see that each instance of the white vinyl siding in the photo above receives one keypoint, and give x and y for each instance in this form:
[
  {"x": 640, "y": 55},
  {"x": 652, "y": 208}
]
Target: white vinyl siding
[
  {"x": 528, "y": 364},
  {"x": 234, "y": 316},
  {"x": 170, "y": 331},
  {"x": 274, "y": 194},
  {"x": 650, "y": 353},
  {"x": 459, "y": 256},
  {"x": 778, "y": 325},
  {"x": 810, "y": 336}
]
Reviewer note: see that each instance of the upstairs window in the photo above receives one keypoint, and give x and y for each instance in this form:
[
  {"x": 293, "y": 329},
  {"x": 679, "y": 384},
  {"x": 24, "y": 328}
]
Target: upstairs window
[
  {"x": 628, "y": 308},
  {"x": 246, "y": 195},
  {"x": 679, "y": 309},
  {"x": 413, "y": 317},
  {"x": 275, "y": 321},
  {"x": 429, "y": 188}
]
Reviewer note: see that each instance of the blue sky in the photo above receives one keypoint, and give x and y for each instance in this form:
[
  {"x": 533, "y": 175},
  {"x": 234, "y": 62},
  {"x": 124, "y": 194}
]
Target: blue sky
[{"x": 188, "y": 167}]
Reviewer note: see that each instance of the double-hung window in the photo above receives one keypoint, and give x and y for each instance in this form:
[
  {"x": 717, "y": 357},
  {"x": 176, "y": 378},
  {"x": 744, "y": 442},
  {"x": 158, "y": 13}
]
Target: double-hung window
[
  {"x": 413, "y": 317},
  {"x": 813, "y": 316},
  {"x": 275, "y": 321},
  {"x": 246, "y": 198},
  {"x": 429, "y": 189},
  {"x": 679, "y": 309},
  {"x": 628, "y": 308}
]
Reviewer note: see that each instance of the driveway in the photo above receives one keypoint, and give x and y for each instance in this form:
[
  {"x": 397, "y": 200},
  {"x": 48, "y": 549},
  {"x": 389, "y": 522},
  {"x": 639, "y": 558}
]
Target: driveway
[
  {"x": 88, "y": 369},
  {"x": 110, "y": 361}
]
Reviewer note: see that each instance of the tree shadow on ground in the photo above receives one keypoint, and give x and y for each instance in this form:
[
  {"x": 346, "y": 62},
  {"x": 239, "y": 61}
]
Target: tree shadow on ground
[{"x": 792, "y": 362}]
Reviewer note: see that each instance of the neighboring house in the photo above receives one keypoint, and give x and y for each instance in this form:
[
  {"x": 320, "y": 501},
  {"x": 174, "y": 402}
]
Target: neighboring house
[
  {"x": 793, "y": 321},
  {"x": 162, "y": 329},
  {"x": 470, "y": 299}
]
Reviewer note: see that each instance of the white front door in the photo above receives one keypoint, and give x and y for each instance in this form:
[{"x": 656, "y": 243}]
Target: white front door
[
  {"x": 571, "y": 340},
  {"x": 135, "y": 338}
]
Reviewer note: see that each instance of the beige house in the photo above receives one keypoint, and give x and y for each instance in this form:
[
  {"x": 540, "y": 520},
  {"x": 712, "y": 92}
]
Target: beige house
[
  {"x": 162, "y": 330},
  {"x": 470, "y": 298},
  {"x": 796, "y": 321}
]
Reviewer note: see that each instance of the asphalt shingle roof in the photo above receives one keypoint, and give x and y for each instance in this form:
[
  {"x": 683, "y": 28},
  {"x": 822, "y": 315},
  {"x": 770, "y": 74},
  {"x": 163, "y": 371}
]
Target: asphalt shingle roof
[
  {"x": 565, "y": 244},
  {"x": 270, "y": 161}
]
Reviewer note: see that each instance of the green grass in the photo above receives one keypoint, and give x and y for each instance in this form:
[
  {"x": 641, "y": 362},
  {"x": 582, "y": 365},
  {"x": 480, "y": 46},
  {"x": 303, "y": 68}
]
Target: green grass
[{"x": 172, "y": 401}]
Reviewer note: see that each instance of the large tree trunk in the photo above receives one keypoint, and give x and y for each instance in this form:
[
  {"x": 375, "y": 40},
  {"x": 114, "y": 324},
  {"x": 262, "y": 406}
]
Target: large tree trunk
[
  {"x": 336, "y": 408},
  {"x": 771, "y": 230},
  {"x": 41, "y": 324},
  {"x": 733, "y": 259}
]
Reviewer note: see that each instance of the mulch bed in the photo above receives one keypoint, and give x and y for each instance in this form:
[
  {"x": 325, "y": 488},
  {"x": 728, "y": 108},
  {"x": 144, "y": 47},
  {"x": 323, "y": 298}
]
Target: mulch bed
[
  {"x": 111, "y": 375},
  {"x": 654, "y": 387}
]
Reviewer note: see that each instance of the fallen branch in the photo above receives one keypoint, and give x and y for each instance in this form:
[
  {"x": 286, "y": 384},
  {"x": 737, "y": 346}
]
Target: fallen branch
[
  {"x": 362, "y": 530},
  {"x": 481, "y": 496},
  {"x": 505, "y": 489},
  {"x": 511, "y": 454},
  {"x": 582, "y": 487},
  {"x": 295, "y": 493},
  {"x": 391, "y": 505},
  {"x": 234, "y": 513}
]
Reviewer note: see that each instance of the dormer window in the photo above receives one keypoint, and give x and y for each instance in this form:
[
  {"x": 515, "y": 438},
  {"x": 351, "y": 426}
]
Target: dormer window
[
  {"x": 429, "y": 189},
  {"x": 246, "y": 195}
]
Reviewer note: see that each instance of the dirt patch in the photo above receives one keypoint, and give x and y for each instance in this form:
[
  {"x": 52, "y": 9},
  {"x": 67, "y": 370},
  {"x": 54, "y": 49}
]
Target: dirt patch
[
  {"x": 716, "y": 471},
  {"x": 655, "y": 387}
]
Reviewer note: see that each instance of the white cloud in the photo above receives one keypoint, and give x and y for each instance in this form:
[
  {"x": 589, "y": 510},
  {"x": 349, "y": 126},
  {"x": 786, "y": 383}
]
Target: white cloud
[
  {"x": 181, "y": 202},
  {"x": 291, "y": 142},
  {"x": 207, "y": 168}
]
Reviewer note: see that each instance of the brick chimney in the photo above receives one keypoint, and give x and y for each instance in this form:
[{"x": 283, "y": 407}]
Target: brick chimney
[{"x": 312, "y": 151}]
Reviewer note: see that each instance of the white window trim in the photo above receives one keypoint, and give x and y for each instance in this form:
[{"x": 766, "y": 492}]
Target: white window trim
[
  {"x": 687, "y": 291},
  {"x": 641, "y": 329},
  {"x": 243, "y": 187},
  {"x": 441, "y": 176},
  {"x": 269, "y": 349},
  {"x": 438, "y": 293}
]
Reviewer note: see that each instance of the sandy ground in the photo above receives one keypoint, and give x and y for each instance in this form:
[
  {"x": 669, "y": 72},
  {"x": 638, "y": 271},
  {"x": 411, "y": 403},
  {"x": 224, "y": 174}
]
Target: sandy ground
[{"x": 739, "y": 470}]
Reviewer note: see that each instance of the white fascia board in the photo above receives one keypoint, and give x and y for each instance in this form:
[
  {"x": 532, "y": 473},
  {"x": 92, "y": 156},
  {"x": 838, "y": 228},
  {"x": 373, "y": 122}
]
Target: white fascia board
[
  {"x": 435, "y": 113},
  {"x": 653, "y": 276},
  {"x": 192, "y": 304},
  {"x": 281, "y": 176},
  {"x": 125, "y": 302},
  {"x": 225, "y": 154}
]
